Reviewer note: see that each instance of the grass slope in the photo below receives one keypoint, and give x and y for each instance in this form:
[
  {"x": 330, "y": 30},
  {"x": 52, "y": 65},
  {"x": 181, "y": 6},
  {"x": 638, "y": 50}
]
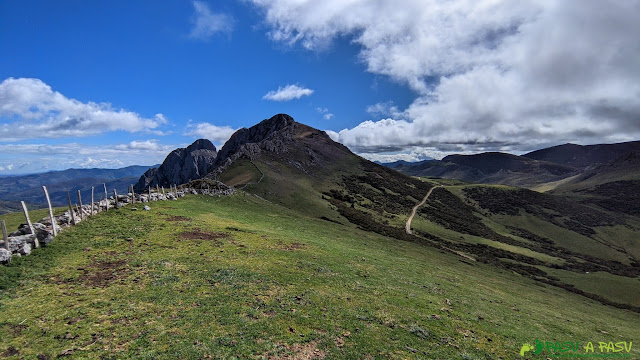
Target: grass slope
[
  {"x": 549, "y": 238},
  {"x": 241, "y": 277}
]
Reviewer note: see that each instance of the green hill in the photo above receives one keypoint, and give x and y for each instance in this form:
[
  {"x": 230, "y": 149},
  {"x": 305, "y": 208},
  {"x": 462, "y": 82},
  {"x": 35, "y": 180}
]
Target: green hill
[{"x": 209, "y": 277}]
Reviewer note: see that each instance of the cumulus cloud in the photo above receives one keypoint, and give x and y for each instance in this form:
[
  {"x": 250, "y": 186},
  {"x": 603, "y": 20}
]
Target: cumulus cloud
[
  {"x": 287, "y": 93},
  {"x": 207, "y": 23},
  {"x": 384, "y": 109},
  {"x": 496, "y": 75},
  {"x": 29, "y": 108},
  {"x": 326, "y": 114},
  {"x": 217, "y": 134}
]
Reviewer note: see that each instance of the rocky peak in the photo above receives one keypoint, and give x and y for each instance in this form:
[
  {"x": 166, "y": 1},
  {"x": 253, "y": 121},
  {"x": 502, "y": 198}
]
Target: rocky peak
[
  {"x": 280, "y": 126},
  {"x": 181, "y": 166}
]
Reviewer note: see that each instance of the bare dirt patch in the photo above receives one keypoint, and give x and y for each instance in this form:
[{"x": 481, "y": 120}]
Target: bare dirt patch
[
  {"x": 298, "y": 352},
  {"x": 202, "y": 235},
  {"x": 102, "y": 273},
  {"x": 177, "y": 218},
  {"x": 11, "y": 351},
  {"x": 16, "y": 329},
  {"x": 291, "y": 246}
]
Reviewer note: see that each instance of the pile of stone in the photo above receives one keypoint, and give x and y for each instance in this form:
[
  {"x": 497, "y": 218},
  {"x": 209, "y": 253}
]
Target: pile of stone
[{"x": 22, "y": 241}]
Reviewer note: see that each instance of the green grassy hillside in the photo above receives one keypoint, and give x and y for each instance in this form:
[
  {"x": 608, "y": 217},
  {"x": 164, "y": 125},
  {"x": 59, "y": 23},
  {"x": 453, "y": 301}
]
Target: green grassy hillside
[
  {"x": 548, "y": 238},
  {"x": 242, "y": 277}
]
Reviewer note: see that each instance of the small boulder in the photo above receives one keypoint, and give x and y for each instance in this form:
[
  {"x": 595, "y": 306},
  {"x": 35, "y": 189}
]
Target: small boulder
[
  {"x": 146, "y": 208},
  {"x": 25, "y": 249},
  {"x": 17, "y": 243},
  {"x": 5, "y": 256}
]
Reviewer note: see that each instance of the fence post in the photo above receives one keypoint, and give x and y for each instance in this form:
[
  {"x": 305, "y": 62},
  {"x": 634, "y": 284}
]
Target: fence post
[
  {"x": 4, "y": 235},
  {"x": 92, "y": 201},
  {"x": 115, "y": 193},
  {"x": 133, "y": 195},
  {"x": 106, "y": 198},
  {"x": 80, "y": 202},
  {"x": 26, "y": 215},
  {"x": 53, "y": 220},
  {"x": 163, "y": 191},
  {"x": 73, "y": 216}
]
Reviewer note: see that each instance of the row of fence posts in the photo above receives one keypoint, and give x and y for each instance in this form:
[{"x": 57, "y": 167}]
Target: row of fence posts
[{"x": 173, "y": 189}]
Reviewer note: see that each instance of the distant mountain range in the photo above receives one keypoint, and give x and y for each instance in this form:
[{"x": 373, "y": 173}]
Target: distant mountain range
[
  {"x": 538, "y": 169},
  {"x": 28, "y": 188}
]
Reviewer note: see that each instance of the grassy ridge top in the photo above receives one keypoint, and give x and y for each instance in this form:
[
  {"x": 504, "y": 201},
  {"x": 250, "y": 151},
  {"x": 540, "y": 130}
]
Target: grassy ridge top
[{"x": 238, "y": 276}]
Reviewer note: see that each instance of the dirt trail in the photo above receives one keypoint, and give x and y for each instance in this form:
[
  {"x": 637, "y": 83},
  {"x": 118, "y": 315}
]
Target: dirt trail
[{"x": 415, "y": 208}]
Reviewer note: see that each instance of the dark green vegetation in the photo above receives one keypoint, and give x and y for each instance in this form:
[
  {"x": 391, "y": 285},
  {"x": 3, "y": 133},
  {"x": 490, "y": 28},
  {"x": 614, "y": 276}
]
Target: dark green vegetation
[
  {"x": 208, "y": 277},
  {"x": 28, "y": 188}
]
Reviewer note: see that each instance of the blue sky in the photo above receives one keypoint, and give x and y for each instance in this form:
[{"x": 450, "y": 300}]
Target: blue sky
[{"x": 116, "y": 83}]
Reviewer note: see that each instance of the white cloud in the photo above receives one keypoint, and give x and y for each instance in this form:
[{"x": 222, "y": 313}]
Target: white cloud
[
  {"x": 287, "y": 93},
  {"x": 90, "y": 162},
  {"x": 486, "y": 74},
  {"x": 217, "y": 134},
  {"x": 44, "y": 157},
  {"x": 325, "y": 113},
  {"x": 206, "y": 23},
  {"x": 384, "y": 109},
  {"x": 29, "y": 108}
]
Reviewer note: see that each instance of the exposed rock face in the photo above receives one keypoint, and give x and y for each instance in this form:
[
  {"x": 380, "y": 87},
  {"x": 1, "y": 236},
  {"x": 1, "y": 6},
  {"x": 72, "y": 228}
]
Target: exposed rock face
[
  {"x": 268, "y": 133},
  {"x": 181, "y": 166},
  {"x": 272, "y": 135}
]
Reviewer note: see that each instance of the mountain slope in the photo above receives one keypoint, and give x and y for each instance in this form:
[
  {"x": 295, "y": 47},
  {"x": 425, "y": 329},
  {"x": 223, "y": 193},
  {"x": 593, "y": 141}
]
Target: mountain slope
[
  {"x": 238, "y": 276},
  {"x": 301, "y": 168},
  {"x": 489, "y": 168},
  {"x": 583, "y": 156}
]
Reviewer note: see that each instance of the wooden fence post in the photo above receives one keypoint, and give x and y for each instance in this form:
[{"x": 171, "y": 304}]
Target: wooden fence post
[
  {"x": 106, "y": 198},
  {"x": 80, "y": 202},
  {"x": 92, "y": 201},
  {"x": 115, "y": 193},
  {"x": 73, "y": 216},
  {"x": 53, "y": 220},
  {"x": 133, "y": 195},
  {"x": 26, "y": 215},
  {"x": 4, "y": 234}
]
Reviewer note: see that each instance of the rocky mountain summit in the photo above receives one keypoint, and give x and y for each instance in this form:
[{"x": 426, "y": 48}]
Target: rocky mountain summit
[
  {"x": 181, "y": 166},
  {"x": 280, "y": 134}
]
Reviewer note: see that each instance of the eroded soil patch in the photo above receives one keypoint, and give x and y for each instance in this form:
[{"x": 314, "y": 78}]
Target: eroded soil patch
[
  {"x": 298, "y": 352},
  {"x": 198, "y": 234},
  {"x": 102, "y": 273}
]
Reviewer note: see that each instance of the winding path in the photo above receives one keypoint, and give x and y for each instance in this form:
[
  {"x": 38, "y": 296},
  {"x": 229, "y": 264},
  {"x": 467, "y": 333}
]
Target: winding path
[{"x": 415, "y": 208}]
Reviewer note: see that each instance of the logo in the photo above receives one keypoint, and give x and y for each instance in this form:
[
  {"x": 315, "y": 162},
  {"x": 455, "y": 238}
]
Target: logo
[
  {"x": 525, "y": 348},
  {"x": 597, "y": 349}
]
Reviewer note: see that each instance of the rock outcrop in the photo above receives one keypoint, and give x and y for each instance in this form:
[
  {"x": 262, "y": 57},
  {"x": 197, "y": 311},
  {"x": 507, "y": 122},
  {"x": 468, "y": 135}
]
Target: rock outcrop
[
  {"x": 276, "y": 135},
  {"x": 181, "y": 166}
]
